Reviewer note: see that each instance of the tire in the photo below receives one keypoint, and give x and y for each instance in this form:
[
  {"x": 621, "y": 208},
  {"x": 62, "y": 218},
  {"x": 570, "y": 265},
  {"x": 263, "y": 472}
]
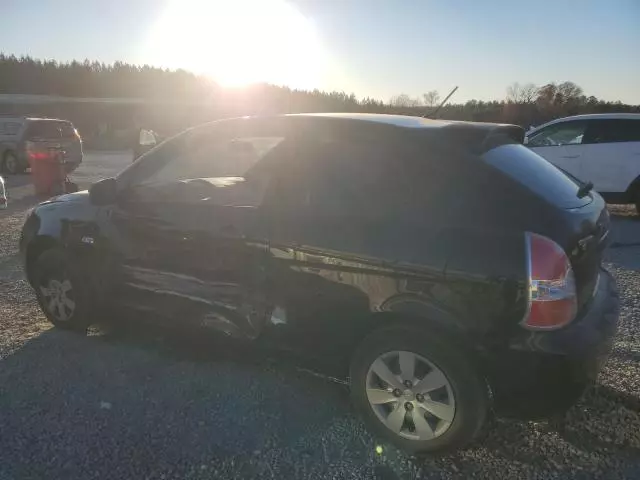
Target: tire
[
  {"x": 462, "y": 399},
  {"x": 62, "y": 291},
  {"x": 11, "y": 165}
]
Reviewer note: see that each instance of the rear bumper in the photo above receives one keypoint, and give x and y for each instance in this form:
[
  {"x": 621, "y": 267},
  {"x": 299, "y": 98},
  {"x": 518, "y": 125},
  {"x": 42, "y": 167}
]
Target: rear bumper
[
  {"x": 70, "y": 166},
  {"x": 542, "y": 373}
]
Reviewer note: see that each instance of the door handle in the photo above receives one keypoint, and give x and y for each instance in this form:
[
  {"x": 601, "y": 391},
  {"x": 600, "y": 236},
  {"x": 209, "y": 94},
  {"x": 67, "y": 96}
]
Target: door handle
[{"x": 570, "y": 156}]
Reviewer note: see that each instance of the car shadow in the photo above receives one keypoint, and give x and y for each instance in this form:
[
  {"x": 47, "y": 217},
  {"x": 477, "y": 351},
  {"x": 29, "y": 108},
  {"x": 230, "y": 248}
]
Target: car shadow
[
  {"x": 146, "y": 398},
  {"x": 151, "y": 399}
]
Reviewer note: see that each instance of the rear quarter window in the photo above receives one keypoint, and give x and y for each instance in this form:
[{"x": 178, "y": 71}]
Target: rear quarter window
[
  {"x": 538, "y": 175},
  {"x": 67, "y": 130},
  {"x": 614, "y": 130}
]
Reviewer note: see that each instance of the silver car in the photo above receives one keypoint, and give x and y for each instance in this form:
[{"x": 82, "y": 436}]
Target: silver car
[{"x": 27, "y": 139}]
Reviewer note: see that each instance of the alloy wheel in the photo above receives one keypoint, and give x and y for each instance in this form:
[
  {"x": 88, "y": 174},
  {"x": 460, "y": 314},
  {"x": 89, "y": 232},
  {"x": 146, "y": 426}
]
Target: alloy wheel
[
  {"x": 410, "y": 395},
  {"x": 58, "y": 299},
  {"x": 11, "y": 164}
]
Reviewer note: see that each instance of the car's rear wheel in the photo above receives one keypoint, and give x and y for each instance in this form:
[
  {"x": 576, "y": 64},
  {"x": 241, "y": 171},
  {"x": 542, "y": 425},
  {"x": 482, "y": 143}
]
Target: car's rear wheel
[
  {"x": 418, "y": 390},
  {"x": 10, "y": 164},
  {"x": 61, "y": 290}
]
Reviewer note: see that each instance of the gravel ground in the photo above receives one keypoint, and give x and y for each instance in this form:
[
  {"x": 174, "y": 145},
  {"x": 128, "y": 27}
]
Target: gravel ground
[{"x": 143, "y": 403}]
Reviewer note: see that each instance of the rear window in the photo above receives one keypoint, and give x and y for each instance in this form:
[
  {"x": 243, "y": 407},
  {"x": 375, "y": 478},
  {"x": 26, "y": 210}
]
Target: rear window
[
  {"x": 540, "y": 176},
  {"x": 43, "y": 129}
]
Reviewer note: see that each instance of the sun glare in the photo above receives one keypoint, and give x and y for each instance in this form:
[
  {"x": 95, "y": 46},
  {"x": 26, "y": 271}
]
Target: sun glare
[{"x": 238, "y": 42}]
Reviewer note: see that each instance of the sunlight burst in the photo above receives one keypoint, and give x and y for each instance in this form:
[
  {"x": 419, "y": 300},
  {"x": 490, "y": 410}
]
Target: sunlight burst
[{"x": 238, "y": 42}]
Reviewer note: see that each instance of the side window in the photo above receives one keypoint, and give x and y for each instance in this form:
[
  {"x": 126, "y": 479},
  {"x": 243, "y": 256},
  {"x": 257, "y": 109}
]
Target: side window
[
  {"x": 221, "y": 168},
  {"x": 613, "y": 131},
  {"x": 564, "y": 133},
  {"x": 9, "y": 128},
  {"x": 342, "y": 179},
  {"x": 207, "y": 158}
]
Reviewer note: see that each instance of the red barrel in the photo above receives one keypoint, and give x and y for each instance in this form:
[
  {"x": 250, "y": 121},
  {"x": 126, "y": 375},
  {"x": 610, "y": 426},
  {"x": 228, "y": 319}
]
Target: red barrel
[{"x": 46, "y": 174}]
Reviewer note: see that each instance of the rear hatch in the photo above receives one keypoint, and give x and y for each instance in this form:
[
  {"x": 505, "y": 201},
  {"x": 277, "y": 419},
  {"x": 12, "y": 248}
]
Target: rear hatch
[
  {"x": 46, "y": 136},
  {"x": 583, "y": 219}
]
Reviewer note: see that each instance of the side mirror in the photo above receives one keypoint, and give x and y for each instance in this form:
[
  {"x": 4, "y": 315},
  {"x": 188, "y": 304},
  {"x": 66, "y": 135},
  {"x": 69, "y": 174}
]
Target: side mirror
[{"x": 104, "y": 192}]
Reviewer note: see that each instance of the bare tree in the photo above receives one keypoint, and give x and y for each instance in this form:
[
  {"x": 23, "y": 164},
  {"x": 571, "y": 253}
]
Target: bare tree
[
  {"x": 517, "y": 93},
  {"x": 569, "y": 91},
  {"x": 547, "y": 94},
  {"x": 404, "y": 100},
  {"x": 431, "y": 98},
  {"x": 528, "y": 92},
  {"x": 513, "y": 92}
]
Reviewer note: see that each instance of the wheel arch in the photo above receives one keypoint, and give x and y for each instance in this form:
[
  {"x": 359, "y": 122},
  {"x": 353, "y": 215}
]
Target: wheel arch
[
  {"x": 413, "y": 321},
  {"x": 633, "y": 191},
  {"x": 36, "y": 247},
  {"x": 404, "y": 316},
  {"x": 5, "y": 151}
]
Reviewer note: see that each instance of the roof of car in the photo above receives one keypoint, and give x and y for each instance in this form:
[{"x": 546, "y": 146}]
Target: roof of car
[
  {"x": 589, "y": 116},
  {"x": 601, "y": 116},
  {"x": 396, "y": 120},
  {"x": 472, "y": 134},
  {"x": 13, "y": 118},
  {"x": 31, "y": 119},
  {"x": 405, "y": 121}
]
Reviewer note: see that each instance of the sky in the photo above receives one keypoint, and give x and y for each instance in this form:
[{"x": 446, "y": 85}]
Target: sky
[{"x": 376, "y": 48}]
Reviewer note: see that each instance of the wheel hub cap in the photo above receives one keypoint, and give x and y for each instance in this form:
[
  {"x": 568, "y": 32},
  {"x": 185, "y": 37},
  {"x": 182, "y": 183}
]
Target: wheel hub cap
[
  {"x": 58, "y": 299},
  {"x": 410, "y": 395}
]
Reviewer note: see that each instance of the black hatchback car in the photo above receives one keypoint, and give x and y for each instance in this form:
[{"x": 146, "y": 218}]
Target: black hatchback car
[{"x": 443, "y": 266}]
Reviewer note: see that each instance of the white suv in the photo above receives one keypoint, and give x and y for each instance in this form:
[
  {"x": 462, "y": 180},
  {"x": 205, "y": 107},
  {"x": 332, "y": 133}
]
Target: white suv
[{"x": 600, "y": 148}]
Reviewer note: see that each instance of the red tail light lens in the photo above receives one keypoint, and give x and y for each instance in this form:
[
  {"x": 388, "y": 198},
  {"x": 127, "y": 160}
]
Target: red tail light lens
[
  {"x": 552, "y": 288},
  {"x": 35, "y": 153}
]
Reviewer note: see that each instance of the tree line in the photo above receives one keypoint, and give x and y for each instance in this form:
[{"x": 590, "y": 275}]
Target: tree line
[{"x": 524, "y": 104}]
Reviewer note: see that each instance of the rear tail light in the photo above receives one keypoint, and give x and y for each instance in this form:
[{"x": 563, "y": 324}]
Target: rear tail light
[
  {"x": 551, "y": 285},
  {"x": 34, "y": 152}
]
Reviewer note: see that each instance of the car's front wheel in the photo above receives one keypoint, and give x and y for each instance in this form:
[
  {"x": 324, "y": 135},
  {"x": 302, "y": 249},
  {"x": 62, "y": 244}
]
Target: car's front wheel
[
  {"x": 61, "y": 290},
  {"x": 11, "y": 165},
  {"x": 418, "y": 390}
]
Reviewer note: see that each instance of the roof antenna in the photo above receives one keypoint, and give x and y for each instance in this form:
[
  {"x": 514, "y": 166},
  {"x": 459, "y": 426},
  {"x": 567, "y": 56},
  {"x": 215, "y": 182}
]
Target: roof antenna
[{"x": 433, "y": 114}]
